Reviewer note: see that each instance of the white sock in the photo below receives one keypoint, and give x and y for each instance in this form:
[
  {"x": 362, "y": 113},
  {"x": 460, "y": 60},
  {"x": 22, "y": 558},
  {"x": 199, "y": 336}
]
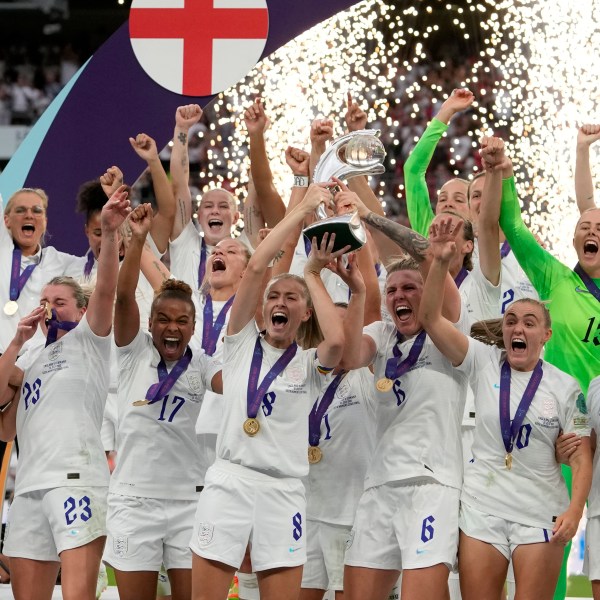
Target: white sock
[{"x": 248, "y": 584}]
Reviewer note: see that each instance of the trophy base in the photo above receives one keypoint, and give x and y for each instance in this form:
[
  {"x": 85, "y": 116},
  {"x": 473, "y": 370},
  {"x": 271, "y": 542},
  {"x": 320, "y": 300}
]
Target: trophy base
[{"x": 346, "y": 233}]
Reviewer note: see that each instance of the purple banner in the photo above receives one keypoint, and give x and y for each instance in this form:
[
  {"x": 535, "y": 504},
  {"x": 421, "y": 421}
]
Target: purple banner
[{"x": 114, "y": 99}]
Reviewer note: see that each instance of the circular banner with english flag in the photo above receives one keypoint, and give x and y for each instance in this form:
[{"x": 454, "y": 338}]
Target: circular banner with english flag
[{"x": 198, "y": 47}]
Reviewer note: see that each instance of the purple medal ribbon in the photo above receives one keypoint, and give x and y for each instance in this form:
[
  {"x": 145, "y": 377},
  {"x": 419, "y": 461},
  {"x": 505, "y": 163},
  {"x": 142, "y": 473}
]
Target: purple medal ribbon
[
  {"x": 54, "y": 325},
  {"x": 460, "y": 277},
  {"x": 504, "y": 249},
  {"x": 210, "y": 332},
  {"x": 256, "y": 392},
  {"x": 589, "y": 283},
  {"x": 320, "y": 408},
  {"x": 509, "y": 428},
  {"x": 394, "y": 368},
  {"x": 18, "y": 279},
  {"x": 378, "y": 269},
  {"x": 89, "y": 263},
  {"x": 166, "y": 380},
  {"x": 202, "y": 266}
]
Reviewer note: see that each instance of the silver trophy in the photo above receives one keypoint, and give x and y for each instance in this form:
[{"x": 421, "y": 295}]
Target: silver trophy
[{"x": 352, "y": 155}]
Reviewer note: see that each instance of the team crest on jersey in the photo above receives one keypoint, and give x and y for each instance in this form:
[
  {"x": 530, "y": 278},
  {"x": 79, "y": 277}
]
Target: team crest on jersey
[
  {"x": 205, "y": 533},
  {"x": 295, "y": 374},
  {"x": 548, "y": 407},
  {"x": 120, "y": 546},
  {"x": 194, "y": 383},
  {"x": 343, "y": 390},
  {"x": 55, "y": 350},
  {"x": 581, "y": 405}
]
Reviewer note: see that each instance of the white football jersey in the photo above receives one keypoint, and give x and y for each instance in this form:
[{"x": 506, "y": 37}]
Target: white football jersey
[
  {"x": 280, "y": 448},
  {"x": 418, "y": 421},
  {"x": 335, "y": 484},
  {"x": 157, "y": 450},
  {"x": 533, "y": 491},
  {"x": 60, "y": 412}
]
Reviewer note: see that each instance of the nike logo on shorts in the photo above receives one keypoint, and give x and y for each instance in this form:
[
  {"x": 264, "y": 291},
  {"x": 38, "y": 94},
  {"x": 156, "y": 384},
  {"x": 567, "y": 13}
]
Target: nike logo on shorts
[{"x": 294, "y": 549}]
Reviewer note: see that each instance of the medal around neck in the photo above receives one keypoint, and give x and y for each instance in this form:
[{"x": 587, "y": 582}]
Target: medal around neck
[
  {"x": 315, "y": 454},
  {"x": 141, "y": 402},
  {"x": 384, "y": 384},
  {"x": 351, "y": 155},
  {"x": 251, "y": 427},
  {"x": 508, "y": 461},
  {"x": 10, "y": 308}
]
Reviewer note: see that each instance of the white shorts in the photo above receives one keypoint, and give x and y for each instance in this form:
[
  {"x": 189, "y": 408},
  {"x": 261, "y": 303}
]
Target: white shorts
[
  {"x": 591, "y": 559},
  {"x": 326, "y": 547},
  {"x": 43, "y": 523},
  {"x": 405, "y": 527},
  {"x": 504, "y": 535},
  {"x": 144, "y": 533},
  {"x": 239, "y": 505}
]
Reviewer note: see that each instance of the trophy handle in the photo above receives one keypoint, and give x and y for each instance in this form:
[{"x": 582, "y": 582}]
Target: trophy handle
[{"x": 320, "y": 211}]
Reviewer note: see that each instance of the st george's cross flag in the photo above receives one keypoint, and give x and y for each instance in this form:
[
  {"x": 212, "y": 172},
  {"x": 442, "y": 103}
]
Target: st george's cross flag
[{"x": 198, "y": 47}]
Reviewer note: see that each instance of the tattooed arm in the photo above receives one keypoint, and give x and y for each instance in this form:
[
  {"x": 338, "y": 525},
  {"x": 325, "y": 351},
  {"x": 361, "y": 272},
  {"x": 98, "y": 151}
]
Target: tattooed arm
[
  {"x": 185, "y": 117},
  {"x": 154, "y": 270},
  {"x": 410, "y": 241}
]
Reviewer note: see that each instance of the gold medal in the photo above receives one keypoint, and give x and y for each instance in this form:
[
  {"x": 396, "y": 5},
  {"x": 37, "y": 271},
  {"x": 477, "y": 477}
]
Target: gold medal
[
  {"x": 384, "y": 384},
  {"x": 48, "y": 311},
  {"x": 10, "y": 308},
  {"x": 508, "y": 461},
  {"x": 141, "y": 402},
  {"x": 251, "y": 427},
  {"x": 315, "y": 454}
]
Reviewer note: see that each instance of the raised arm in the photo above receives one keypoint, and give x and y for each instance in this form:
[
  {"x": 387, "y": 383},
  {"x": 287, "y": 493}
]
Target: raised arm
[
  {"x": 185, "y": 117},
  {"x": 298, "y": 161},
  {"x": 127, "y": 314},
  {"x": 451, "y": 342},
  {"x": 366, "y": 275},
  {"x": 330, "y": 349},
  {"x": 418, "y": 203},
  {"x": 539, "y": 265},
  {"x": 248, "y": 294},
  {"x": 162, "y": 224},
  {"x": 321, "y": 131},
  {"x": 153, "y": 269},
  {"x": 268, "y": 201},
  {"x": 584, "y": 186},
  {"x": 111, "y": 180},
  {"x": 100, "y": 305},
  {"x": 492, "y": 154}
]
